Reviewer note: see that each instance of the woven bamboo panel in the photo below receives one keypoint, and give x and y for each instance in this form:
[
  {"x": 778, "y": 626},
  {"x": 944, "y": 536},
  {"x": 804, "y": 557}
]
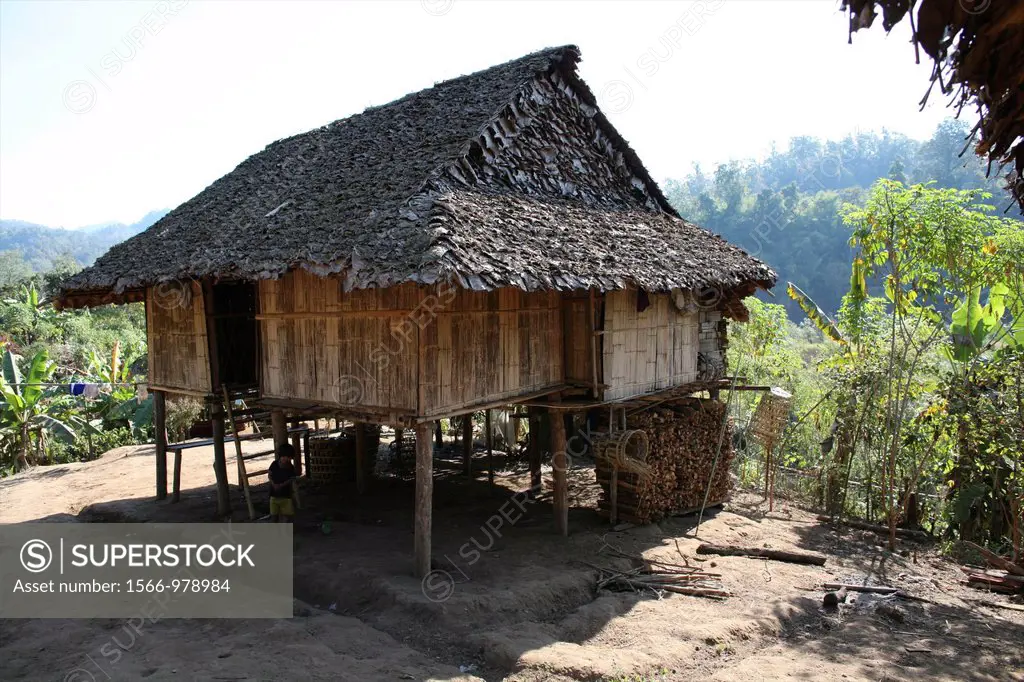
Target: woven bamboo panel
[
  {"x": 179, "y": 352},
  {"x": 650, "y": 350},
  {"x": 486, "y": 346},
  {"x": 317, "y": 346},
  {"x": 769, "y": 419}
]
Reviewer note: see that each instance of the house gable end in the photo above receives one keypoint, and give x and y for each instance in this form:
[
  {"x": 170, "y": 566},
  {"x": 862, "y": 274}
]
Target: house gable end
[{"x": 550, "y": 142}]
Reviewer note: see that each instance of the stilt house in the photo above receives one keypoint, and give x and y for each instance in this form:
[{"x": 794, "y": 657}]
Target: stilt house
[{"x": 488, "y": 241}]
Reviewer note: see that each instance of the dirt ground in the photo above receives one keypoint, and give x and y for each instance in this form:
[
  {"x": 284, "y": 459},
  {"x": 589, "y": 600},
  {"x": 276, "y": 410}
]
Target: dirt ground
[{"x": 522, "y": 604}]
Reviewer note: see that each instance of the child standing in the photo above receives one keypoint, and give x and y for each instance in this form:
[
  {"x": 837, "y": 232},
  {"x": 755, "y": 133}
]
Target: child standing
[{"x": 282, "y": 478}]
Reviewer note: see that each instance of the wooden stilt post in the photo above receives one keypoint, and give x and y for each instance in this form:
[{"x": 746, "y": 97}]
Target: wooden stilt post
[
  {"x": 490, "y": 447},
  {"x": 534, "y": 451},
  {"x": 559, "y": 469},
  {"x": 279, "y": 427},
  {"x": 467, "y": 444},
  {"x": 160, "y": 426},
  {"x": 220, "y": 467},
  {"x": 361, "y": 464},
  {"x": 424, "y": 498},
  {"x": 438, "y": 434},
  {"x": 613, "y": 495},
  {"x": 399, "y": 434},
  {"x": 297, "y": 446}
]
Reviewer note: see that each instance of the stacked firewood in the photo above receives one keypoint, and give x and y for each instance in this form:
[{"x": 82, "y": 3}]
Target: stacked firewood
[{"x": 683, "y": 438}]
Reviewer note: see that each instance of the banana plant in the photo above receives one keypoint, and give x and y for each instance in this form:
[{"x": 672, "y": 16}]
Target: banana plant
[
  {"x": 26, "y": 405},
  {"x": 975, "y": 328}
]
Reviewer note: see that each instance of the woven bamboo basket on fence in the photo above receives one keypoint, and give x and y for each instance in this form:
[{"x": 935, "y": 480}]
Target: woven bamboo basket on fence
[
  {"x": 766, "y": 427},
  {"x": 769, "y": 419}
]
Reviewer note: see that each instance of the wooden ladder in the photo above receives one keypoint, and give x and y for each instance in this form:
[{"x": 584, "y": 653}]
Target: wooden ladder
[{"x": 240, "y": 459}]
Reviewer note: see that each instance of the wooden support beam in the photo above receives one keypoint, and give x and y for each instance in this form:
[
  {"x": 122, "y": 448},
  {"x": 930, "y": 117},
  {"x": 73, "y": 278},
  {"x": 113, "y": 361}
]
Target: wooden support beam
[
  {"x": 559, "y": 471},
  {"x": 220, "y": 467},
  {"x": 362, "y": 477},
  {"x": 438, "y": 434},
  {"x": 467, "y": 444},
  {"x": 424, "y": 497},
  {"x": 160, "y": 426},
  {"x": 490, "y": 446}
]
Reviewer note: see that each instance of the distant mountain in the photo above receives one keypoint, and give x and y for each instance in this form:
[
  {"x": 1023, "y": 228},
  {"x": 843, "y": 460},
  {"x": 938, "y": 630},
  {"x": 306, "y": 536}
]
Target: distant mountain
[{"x": 39, "y": 245}]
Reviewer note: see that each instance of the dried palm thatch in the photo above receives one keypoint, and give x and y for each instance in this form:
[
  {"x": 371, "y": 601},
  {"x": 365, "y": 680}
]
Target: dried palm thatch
[
  {"x": 509, "y": 177},
  {"x": 978, "y": 50}
]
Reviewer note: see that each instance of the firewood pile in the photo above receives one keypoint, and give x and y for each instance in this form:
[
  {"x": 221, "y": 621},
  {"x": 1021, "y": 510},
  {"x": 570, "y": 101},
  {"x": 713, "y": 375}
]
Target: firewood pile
[{"x": 682, "y": 438}]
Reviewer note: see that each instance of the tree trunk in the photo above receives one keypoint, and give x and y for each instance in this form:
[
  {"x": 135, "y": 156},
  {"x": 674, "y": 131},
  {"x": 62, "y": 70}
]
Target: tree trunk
[{"x": 23, "y": 451}]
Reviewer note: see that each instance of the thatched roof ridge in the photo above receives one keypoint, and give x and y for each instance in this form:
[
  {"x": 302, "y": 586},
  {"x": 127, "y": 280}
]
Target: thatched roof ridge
[{"x": 386, "y": 196}]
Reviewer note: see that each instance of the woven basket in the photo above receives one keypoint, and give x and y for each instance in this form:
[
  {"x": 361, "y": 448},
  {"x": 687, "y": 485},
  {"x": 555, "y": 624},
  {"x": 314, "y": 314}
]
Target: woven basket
[
  {"x": 625, "y": 450},
  {"x": 769, "y": 419}
]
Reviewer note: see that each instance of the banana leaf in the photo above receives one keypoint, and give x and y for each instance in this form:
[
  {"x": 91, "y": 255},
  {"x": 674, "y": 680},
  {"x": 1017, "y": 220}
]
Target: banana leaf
[{"x": 815, "y": 314}]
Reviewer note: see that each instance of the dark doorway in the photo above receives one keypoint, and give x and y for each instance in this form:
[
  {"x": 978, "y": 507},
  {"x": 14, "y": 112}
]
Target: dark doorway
[{"x": 236, "y": 335}]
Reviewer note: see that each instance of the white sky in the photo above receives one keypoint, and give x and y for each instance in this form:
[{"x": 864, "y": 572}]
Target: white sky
[{"x": 220, "y": 80}]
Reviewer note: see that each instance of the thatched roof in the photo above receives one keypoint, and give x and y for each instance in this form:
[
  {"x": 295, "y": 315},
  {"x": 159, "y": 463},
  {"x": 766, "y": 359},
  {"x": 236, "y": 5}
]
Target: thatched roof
[
  {"x": 506, "y": 177},
  {"x": 977, "y": 47}
]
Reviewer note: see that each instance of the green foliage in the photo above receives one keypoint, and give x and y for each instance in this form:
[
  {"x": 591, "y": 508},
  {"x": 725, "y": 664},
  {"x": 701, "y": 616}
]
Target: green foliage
[
  {"x": 816, "y": 315},
  {"x": 182, "y": 413},
  {"x": 785, "y": 209},
  {"x": 40, "y": 422}
]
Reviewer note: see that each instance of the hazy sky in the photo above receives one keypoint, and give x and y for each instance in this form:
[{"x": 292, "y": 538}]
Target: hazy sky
[{"x": 109, "y": 110}]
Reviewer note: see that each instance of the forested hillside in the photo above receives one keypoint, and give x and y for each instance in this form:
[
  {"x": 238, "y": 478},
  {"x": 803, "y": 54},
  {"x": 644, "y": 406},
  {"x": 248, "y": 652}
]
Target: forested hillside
[
  {"x": 785, "y": 209},
  {"x": 40, "y": 247}
]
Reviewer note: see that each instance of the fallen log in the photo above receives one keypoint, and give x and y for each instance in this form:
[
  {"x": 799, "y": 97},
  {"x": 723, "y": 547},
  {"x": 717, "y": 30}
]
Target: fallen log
[
  {"x": 906, "y": 533},
  {"x": 877, "y": 589},
  {"x": 774, "y": 554},
  {"x": 996, "y": 560},
  {"x": 871, "y": 589}
]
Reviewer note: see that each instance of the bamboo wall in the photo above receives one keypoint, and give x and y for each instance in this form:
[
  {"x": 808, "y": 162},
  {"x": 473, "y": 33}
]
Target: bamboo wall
[
  {"x": 487, "y": 346},
  {"x": 179, "y": 353},
  {"x": 647, "y": 351},
  {"x": 322, "y": 345},
  {"x": 406, "y": 349}
]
